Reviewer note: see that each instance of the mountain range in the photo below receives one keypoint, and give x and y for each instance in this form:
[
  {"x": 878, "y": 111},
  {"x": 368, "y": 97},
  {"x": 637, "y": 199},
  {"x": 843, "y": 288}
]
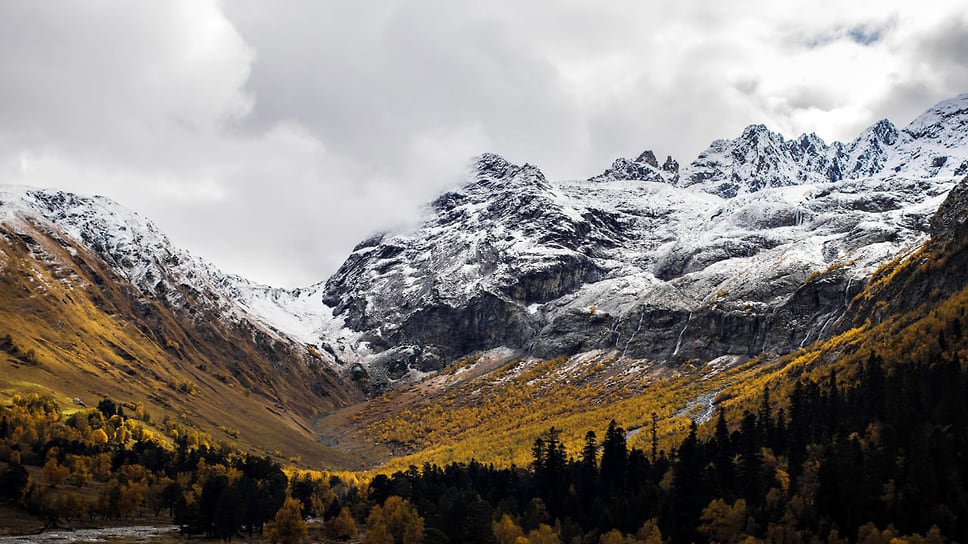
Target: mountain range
[{"x": 756, "y": 247}]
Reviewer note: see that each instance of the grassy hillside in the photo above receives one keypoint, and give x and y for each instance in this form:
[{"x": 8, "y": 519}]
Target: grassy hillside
[
  {"x": 492, "y": 410},
  {"x": 71, "y": 328}
]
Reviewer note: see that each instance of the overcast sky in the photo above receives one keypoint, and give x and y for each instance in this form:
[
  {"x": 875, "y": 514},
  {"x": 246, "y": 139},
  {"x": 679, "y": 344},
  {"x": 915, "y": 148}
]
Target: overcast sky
[{"x": 270, "y": 137}]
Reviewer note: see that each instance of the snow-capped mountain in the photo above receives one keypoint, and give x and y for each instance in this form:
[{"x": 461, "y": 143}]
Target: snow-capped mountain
[
  {"x": 758, "y": 244},
  {"x": 140, "y": 253},
  {"x": 95, "y": 301}
]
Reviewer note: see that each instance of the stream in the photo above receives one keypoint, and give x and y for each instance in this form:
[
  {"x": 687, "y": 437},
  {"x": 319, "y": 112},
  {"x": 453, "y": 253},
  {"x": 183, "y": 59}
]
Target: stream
[
  {"x": 708, "y": 410},
  {"x": 708, "y": 406},
  {"x": 129, "y": 534}
]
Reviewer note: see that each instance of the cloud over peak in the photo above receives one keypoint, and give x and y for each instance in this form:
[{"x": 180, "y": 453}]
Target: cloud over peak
[{"x": 270, "y": 139}]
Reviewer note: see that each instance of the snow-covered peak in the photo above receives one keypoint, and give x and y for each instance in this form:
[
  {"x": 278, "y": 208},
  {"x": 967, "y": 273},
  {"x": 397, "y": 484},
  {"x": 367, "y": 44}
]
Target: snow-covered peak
[
  {"x": 138, "y": 251},
  {"x": 946, "y": 120},
  {"x": 134, "y": 246},
  {"x": 935, "y": 145},
  {"x": 492, "y": 164},
  {"x": 882, "y": 131},
  {"x": 480, "y": 237},
  {"x": 869, "y": 153},
  {"x": 759, "y": 159},
  {"x": 493, "y": 173},
  {"x": 644, "y": 167}
]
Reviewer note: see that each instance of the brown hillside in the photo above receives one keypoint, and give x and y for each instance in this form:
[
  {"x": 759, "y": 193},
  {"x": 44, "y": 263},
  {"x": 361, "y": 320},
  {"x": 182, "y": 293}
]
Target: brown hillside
[{"x": 72, "y": 327}]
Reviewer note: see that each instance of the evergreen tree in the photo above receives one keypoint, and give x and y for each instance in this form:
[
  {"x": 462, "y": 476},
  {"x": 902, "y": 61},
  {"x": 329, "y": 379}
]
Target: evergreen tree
[
  {"x": 723, "y": 454},
  {"x": 750, "y": 468},
  {"x": 689, "y": 490},
  {"x": 228, "y": 515},
  {"x": 589, "y": 454},
  {"x": 614, "y": 458}
]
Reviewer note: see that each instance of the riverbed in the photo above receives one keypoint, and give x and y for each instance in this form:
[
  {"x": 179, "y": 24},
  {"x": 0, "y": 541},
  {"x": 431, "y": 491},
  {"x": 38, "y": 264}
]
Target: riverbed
[{"x": 126, "y": 534}]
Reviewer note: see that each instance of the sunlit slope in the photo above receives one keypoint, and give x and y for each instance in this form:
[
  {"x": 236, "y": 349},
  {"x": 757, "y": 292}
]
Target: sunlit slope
[
  {"x": 493, "y": 410},
  {"x": 71, "y": 326}
]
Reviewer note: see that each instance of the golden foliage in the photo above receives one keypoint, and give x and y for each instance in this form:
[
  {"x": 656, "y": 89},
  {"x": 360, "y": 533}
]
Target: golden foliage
[
  {"x": 495, "y": 417},
  {"x": 288, "y": 527},
  {"x": 649, "y": 533},
  {"x": 544, "y": 534},
  {"x": 400, "y": 520},
  {"x": 722, "y": 522},
  {"x": 506, "y": 531},
  {"x": 341, "y": 527},
  {"x": 55, "y": 473}
]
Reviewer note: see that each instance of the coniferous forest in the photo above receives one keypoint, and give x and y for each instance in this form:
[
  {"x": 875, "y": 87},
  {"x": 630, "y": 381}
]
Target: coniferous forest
[
  {"x": 870, "y": 461},
  {"x": 881, "y": 458}
]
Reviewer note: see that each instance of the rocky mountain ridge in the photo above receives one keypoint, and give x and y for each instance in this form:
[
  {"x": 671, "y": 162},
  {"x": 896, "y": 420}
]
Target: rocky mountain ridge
[
  {"x": 757, "y": 245},
  {"x": 760, "y": 158}
]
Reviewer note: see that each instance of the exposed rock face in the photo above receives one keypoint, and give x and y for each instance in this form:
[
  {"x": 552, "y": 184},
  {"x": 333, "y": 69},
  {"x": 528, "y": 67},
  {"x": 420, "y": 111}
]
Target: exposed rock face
[
  {"x": 465, "y": 279},
  {"x": 759, "y": 244},
  {"x": 938, "y": 270},
  {"x": 952, "y": 216},
  {"x": 645, "y": 167}
]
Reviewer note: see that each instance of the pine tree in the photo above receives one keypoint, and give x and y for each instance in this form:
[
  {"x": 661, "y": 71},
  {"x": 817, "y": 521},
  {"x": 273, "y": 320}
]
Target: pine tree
[
  {"x": 723, "y": 454},
  {"x": 589, "y": 454},
  {"x": 614, "y": 457},
  {"x": 690, "y": 492}
]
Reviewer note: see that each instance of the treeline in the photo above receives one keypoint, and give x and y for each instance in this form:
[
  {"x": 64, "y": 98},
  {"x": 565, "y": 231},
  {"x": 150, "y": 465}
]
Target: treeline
[{"x": 882, "y": 459}]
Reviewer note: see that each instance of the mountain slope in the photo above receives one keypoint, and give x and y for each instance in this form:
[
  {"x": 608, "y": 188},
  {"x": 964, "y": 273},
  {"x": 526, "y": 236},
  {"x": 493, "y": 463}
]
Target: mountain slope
[
  {"x": 97, "y": 303},
  {"x": 491, "y": 408}
]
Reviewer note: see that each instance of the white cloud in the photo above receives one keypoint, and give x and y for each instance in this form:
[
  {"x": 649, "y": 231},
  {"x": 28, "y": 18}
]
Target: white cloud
[{"x": 270, "y": 138}]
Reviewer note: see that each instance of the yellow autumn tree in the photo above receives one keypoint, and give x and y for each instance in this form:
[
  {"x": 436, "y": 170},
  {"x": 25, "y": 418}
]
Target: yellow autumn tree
[
  {"x": 722, "y": 522},
  {"x": 649, "y": 533},
  {"x": 544, "y": 534},
  {"x": 343, "y": 526},
  {"x": 55, "y": 473},
  {"x": 98, "y": 436},
  {"x": 131, "y": 497},
  {"x": 377, "y": 533},
  {"x": 288, "y": 527},
  {"x": 612, "y": 537},
  {"x": 506, "y": 531},
  {"x": 402, "y": 521}
]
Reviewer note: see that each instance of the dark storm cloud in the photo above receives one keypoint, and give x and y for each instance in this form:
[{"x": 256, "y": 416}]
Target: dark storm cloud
[{"x": 270, "y": 138}]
